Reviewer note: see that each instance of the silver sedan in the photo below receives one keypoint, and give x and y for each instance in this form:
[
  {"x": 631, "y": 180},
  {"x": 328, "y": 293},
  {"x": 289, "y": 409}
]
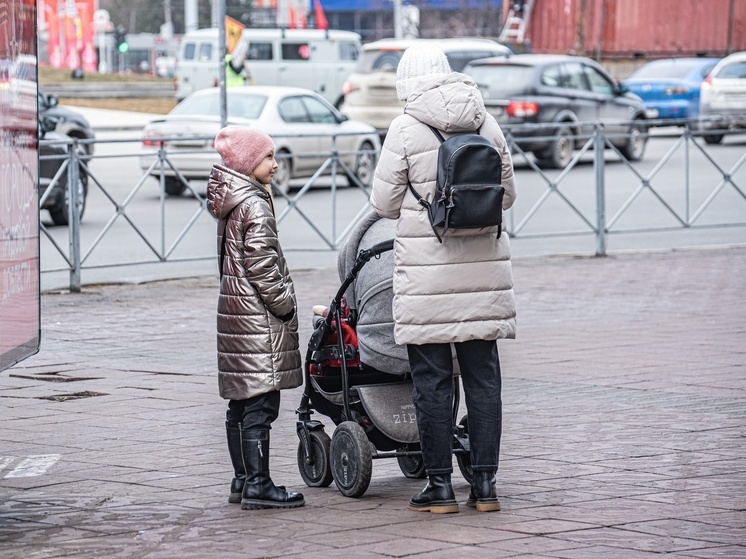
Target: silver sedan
[{"x": 306, "y": 129}]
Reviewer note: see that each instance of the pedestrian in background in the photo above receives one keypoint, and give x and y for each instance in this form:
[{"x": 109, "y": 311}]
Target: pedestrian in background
[
  {"x": 257, "y": 320},
  {"x": 459, "y": 292}
]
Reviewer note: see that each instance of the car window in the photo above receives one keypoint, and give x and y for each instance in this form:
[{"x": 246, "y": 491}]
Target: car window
[
  {"x": 459, "y": 59},
  {"x": 378, "y": 61},
  {"x": 292, "y": 109},
  {"x": 189, "y": 51},
  {"x": 704, "y": 72},
  {"x": 205, "y": 51},
  {"x": 259, "y": 51},
  {"x": 574, "y": 77},
  {"x": 598, "y": 82},
  {"x": 318, "y": 111},
  {"x": 246, "y": 106},
  {"x": 348, "y": 50},
  {"x": 667, "y": 69},
  {"x": 296, "y": 51},
  {"x": 243, "y": 106},
  {"x": 497, "y": 81},
  {"x": 734, "y": 71},
  {"x": 551, "y": 76}
]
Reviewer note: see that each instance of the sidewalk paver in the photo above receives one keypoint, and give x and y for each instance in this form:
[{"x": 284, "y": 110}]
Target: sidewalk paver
[{"x": 624, "y": 427}]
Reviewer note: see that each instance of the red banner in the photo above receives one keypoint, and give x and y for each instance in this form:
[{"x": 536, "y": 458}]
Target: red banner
[{"x": 69, "y": 33}]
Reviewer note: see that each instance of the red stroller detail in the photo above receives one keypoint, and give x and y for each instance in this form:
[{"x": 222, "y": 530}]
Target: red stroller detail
[{"x": 363, "y": 386}]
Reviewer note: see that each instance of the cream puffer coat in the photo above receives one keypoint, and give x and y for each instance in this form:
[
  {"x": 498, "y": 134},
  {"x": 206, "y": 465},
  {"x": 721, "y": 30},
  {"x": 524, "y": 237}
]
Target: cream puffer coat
[
  {"x": 462, "y": 289},
  {"x": 257, "y": 352}
]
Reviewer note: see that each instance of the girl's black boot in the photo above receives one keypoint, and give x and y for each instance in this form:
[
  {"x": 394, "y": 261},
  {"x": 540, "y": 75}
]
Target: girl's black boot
[
  {"x": 259, "y": 492},
  {"x": 234, "y": 449}
]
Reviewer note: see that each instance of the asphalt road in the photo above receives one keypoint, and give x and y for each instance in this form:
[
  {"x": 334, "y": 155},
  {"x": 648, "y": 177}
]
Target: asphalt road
[{"x": 127, "y": 221}]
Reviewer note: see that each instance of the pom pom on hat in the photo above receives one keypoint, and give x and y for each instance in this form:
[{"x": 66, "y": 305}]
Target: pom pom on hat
[
  {"x": 242, "y": 148},
  {"x": 418, "y": 61}
]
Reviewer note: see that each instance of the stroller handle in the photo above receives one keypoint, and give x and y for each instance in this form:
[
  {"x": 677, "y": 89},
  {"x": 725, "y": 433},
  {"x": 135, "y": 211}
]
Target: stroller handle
[{"x": 375, "y": 250}]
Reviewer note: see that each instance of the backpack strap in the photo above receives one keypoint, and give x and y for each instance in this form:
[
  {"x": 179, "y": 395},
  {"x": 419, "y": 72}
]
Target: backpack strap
[{"x": 437, "y": 133}]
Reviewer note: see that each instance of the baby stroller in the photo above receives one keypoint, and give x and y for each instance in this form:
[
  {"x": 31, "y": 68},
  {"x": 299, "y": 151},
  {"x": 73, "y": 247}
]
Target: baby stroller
[{"x": 357, "y": 376}]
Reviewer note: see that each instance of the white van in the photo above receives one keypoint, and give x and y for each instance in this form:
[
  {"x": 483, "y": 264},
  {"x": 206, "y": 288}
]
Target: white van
[{"x": 315, "y": 59}]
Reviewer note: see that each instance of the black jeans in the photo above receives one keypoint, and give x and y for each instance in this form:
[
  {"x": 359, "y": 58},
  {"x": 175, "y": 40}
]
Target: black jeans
[
  {"x": 257, "y": 412},
  {"x": 432, "y": 373}
]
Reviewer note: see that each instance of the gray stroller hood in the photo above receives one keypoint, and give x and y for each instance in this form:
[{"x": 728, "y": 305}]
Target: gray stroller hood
[{"x": 371, "y": 295}]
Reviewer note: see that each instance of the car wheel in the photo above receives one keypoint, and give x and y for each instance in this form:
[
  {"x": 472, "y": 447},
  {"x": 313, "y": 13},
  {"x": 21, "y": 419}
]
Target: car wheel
[
  {"x": 365, "y": 164},
  {"x": 713, "y": 138},
  {"x": 60, "y": 214},
  {"x": 283, "y": 172},
  {"x": 634, "y": 146},
  {"x": 559, "y": 154},
  {"x": 174, "y": 186}
]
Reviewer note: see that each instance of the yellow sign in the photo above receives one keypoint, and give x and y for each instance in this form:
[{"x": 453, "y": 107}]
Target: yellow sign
[{"x": 233, "y": 30}]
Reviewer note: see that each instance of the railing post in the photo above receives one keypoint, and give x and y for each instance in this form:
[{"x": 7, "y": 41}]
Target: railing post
[
  {"x": 335, "y": 156},
  {"x": 73, "y": 215},
  {"x": 599, "y": 143},
  {"x": 162, "y": 182}
]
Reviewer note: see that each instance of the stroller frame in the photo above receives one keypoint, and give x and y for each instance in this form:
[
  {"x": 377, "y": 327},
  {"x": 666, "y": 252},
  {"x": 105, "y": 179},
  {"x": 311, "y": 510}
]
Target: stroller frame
[{"x": 347, "y": 458}]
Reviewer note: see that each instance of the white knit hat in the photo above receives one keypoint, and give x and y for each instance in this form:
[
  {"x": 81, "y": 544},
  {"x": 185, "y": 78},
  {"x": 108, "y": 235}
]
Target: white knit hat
[{"x": 419, "y": 60}]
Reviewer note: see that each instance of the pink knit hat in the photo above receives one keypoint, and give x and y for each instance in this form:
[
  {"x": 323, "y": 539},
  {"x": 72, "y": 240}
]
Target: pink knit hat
[{"x": 242, "y": 148}]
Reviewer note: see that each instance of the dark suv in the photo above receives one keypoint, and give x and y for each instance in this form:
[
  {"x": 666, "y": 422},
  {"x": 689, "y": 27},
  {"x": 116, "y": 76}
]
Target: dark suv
[
  {"x": 69, "y": 122},
  {"x": 549, "y": 89},
  {"x": 53, "y": 152}
]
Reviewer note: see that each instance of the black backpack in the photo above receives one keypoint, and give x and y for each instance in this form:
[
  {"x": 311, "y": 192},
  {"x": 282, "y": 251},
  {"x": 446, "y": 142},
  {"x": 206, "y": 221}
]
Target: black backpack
[{"x": 468, "y": 191}]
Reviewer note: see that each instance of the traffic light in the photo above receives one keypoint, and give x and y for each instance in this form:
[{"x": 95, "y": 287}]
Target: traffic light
[{"x": 120, "y": 39}]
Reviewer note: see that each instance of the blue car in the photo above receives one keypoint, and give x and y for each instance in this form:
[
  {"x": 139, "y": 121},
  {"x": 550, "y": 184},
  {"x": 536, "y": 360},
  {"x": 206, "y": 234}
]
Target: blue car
[{"x": 670, "y": 86}]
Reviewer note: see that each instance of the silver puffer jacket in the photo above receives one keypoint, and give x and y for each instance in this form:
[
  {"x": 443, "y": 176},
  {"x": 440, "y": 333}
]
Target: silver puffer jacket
[{"x": 257, "y": 352}]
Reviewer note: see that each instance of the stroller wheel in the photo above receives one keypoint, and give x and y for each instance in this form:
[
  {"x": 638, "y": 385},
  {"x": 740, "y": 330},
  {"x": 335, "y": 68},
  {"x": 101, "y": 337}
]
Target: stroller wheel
[
  {"x": 412, "y": 466},
  {"x": 464, "y": 458},
  {"x": 352, "y": 463},
  {"x": 318, "y": 474}
]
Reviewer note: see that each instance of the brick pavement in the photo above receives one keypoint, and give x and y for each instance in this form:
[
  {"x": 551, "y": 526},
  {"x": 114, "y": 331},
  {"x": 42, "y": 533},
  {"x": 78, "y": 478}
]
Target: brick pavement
[{"x": 625, "y": 397}]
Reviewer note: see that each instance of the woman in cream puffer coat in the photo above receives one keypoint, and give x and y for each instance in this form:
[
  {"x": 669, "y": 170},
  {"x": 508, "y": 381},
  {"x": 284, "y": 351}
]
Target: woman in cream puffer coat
[{"x": 459, "y": 292}]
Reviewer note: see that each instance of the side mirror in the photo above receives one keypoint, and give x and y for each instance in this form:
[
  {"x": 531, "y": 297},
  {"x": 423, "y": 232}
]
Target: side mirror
[
  {"x": 342, "y": 118},
  {"x": 47, "y": 124},
  {"x": 621, "y": 89},
  {"x": 52, "y": 100}
]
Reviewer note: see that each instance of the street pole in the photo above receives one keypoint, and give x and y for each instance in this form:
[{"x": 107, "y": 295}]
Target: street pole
[
  {"x": 397, "y": 19},
  {"x": 221, "y": 59}
]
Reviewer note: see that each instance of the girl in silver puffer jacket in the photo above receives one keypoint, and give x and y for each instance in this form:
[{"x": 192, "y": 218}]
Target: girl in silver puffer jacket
[{"x": 257, "y": 322}]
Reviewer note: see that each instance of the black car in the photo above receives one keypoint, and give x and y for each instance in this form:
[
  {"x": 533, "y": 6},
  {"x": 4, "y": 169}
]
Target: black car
[
  {"x": 548, "y": 89},
  {"x": 53, "y": 152},
  {"x": 69, "y": 121}
]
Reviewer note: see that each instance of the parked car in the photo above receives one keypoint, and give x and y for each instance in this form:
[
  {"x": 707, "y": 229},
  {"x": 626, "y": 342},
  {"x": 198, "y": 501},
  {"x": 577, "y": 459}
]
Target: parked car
[
  {"x": 670, "y": 86},
  {"x": 69, "y": 121},
  {"x": 723, "y": 97},
  {"x": 370, "y": 91},
  {"x": 302, "y": 123},
  {"x": 53, "y": 153},
  {"x": 556, "y": 89}
]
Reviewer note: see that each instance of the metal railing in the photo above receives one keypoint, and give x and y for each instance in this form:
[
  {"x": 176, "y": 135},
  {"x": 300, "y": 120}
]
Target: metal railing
[{"x": 595, "y": 142}]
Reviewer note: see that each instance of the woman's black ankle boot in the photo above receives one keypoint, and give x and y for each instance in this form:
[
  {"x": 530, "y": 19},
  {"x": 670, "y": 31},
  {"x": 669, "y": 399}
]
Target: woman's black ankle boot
[
  {"x": 437, "y": 497},
  {"x": 483, "y": 494}
]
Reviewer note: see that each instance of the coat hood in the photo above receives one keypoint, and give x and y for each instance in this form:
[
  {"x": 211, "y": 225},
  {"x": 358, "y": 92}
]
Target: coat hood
[
  {"x": 451, "y": 103},
  {"x": 227, "y": 188}
]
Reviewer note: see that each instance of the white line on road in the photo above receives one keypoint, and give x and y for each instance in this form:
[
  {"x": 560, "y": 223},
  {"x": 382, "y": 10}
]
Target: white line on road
[{"x": 34, "y": 465}]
